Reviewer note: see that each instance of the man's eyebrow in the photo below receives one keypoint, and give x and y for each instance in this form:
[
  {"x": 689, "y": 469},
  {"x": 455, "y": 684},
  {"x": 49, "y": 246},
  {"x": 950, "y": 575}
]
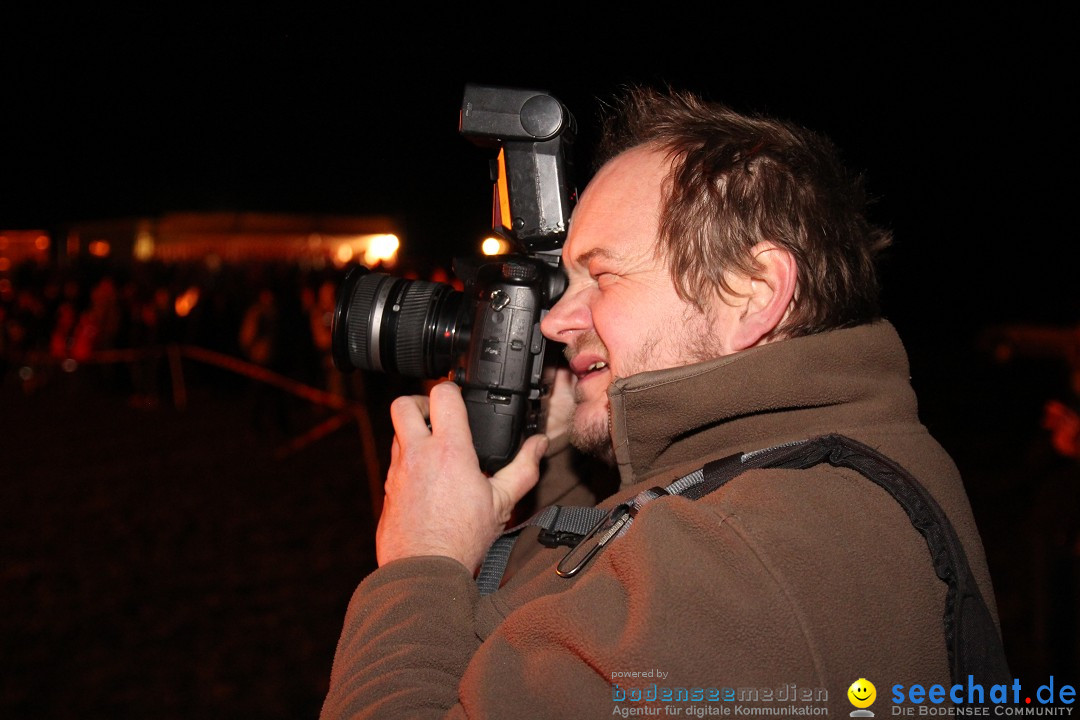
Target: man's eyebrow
[{"x": 601, "y": 252}]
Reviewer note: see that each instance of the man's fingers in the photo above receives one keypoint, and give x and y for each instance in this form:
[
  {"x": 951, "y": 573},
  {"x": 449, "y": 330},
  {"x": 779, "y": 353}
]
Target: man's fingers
[
  {"x": 442, "y": 412},
  {"x": 512, "y": 482},
  {"x": 409, "y": 414},
  {"x": 449, "y": 418}
]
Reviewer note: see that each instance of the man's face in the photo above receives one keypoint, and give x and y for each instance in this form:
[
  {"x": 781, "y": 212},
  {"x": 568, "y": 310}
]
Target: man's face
[{"x": 620, "y": 314}]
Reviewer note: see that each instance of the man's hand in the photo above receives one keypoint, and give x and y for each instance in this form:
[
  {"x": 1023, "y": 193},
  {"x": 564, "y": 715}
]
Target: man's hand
[
  {"x": 560, "y": 404},
  {"x": 438, "y": 502}
]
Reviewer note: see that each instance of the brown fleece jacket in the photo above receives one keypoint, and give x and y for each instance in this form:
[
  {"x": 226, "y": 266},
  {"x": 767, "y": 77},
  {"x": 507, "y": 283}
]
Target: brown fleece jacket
[{"x": 783, "y": 582}]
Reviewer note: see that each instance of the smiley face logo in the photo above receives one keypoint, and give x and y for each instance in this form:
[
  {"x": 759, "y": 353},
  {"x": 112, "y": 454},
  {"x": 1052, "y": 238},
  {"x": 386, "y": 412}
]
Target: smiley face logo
[{"x": 862, "y": 693}]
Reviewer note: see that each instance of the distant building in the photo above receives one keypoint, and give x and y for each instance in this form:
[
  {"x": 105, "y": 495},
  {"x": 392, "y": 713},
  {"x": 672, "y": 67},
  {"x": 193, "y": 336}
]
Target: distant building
[{"x": 225, "y": 236}]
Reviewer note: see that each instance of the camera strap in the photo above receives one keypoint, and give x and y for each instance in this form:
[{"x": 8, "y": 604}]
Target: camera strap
[{"x": 974, "y": 644}]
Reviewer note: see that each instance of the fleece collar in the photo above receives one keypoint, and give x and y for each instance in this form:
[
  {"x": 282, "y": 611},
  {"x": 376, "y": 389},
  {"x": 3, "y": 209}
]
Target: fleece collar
[{"x": 671, "y": 421}]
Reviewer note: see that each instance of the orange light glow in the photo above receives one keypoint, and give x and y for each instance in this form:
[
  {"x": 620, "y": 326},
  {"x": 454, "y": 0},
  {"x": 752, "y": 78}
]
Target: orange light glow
[
  {"x": 344, "y": 254},
  {"x": 5, "y": 264},
  {"x": 42, "y": 242},
  {"x": 144, "y": 246},
  {"x": 494, "y": 246},
  {"x": 187, "y": 302},
  {"x": 98, "y": 248},
  {"x": 381, "y": 248}
]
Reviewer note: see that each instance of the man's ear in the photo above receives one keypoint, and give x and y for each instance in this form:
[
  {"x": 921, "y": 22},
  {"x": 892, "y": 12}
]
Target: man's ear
[{"x": 763, "y": 298}]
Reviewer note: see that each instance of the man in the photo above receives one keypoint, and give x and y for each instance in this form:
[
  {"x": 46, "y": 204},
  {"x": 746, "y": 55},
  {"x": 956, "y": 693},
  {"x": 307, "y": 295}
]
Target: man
[{"x": 722, "y": 298}]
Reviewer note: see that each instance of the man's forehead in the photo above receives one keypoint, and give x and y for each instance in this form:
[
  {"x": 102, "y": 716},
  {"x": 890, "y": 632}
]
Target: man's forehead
[
  {"x": 615, "y": 250},
  {"x": 639, "y": 170},
  {"x": 621, "y": 201}
]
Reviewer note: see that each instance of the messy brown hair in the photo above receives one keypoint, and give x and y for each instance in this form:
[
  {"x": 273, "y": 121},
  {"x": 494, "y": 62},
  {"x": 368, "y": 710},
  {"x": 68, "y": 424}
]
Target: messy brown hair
[{"x": 738, "y": 180}]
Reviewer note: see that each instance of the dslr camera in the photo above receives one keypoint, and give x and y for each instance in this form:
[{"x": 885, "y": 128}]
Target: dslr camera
[{"x": 486, "y": 338}]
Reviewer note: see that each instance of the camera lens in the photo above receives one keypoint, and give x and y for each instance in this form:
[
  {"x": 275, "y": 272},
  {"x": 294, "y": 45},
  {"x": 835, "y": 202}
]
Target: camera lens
[{"x": 394, "y": 325}]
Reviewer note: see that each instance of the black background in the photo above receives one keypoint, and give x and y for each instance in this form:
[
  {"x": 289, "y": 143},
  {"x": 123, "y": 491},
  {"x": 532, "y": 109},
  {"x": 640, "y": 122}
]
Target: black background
[{"x": 960, "y": 120}]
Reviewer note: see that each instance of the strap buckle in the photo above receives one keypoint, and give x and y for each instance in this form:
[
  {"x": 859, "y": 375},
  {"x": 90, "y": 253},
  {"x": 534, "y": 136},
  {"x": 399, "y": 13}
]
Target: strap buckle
[
  {"x": 555, "y": 538},
  {"x": 611, "y": 523}
]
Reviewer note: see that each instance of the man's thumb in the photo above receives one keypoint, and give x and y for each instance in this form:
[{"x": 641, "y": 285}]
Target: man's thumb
[{"x": 523, "y": 472}]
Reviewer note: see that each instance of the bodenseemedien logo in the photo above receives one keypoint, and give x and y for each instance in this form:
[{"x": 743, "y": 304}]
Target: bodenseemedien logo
[{"x": 862, "y": 694}]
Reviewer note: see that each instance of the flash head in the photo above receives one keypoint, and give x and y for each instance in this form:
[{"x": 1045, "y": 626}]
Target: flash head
[{"x": 534, "y": 193}]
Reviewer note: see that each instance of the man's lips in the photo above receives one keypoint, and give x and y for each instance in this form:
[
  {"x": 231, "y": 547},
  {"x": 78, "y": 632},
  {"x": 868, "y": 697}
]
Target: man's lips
[{"x": 585, "y": 364}]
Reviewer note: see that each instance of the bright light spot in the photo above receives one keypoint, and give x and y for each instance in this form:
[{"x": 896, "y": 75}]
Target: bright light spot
[
  {"x": 69, "y": 365},
  {"x": 493, "y": 246},
  {"x": 144, "y": 246},
  {"x": 381, "y": 247},
  {"x": 26, "y": 372},
  {"x": 98, "y": 248},
  {"x": 42, "y": 242},
  {"x": 344, "y": 253},
  {"x": 187, "y": 302}
]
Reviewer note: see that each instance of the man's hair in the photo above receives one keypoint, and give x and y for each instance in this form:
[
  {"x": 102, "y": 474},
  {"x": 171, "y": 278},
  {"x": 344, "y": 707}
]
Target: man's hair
[{"x": 741, "y": 179}]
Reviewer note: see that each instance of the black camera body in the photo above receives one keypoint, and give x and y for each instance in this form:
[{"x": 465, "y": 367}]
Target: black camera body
[{"x": 487, "y": 337}]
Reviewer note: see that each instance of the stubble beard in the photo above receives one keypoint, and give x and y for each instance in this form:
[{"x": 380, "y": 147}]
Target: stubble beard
[
  {"x": 592, "y": 438},
  {"x": 696, "y": 343}
]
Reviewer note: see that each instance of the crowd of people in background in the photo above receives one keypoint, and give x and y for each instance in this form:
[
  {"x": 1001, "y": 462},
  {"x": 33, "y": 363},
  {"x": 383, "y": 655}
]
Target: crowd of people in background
[
  {"x": 63, "y": 316},
  {"x": 118, "y": 317}
]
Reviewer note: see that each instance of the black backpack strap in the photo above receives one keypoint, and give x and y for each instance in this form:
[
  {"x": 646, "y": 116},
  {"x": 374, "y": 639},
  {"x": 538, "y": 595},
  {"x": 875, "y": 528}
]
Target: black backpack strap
[{"x": 973, "y": 642}]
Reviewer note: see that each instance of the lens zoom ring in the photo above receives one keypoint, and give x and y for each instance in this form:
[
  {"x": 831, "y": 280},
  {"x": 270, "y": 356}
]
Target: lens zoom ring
[
  {"x": 359, "y": 320},
  {"x": 412, "y": 330}
]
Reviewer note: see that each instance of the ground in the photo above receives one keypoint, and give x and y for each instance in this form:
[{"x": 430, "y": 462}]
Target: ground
[{"x": 161, "y": 563}]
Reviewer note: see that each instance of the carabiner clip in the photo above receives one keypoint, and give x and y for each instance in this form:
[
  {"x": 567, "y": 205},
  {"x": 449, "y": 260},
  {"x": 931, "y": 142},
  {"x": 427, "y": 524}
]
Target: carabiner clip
[{"x": 618, "y": 517}]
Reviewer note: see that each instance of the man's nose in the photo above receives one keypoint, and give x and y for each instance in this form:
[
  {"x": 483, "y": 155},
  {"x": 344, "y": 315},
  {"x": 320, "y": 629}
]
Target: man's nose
[{"x": 568, "y": 317}]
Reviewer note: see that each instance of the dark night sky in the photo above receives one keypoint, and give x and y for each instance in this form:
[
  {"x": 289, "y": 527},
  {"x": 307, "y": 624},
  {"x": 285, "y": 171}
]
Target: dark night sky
[{"x": 961, "y": 122}]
